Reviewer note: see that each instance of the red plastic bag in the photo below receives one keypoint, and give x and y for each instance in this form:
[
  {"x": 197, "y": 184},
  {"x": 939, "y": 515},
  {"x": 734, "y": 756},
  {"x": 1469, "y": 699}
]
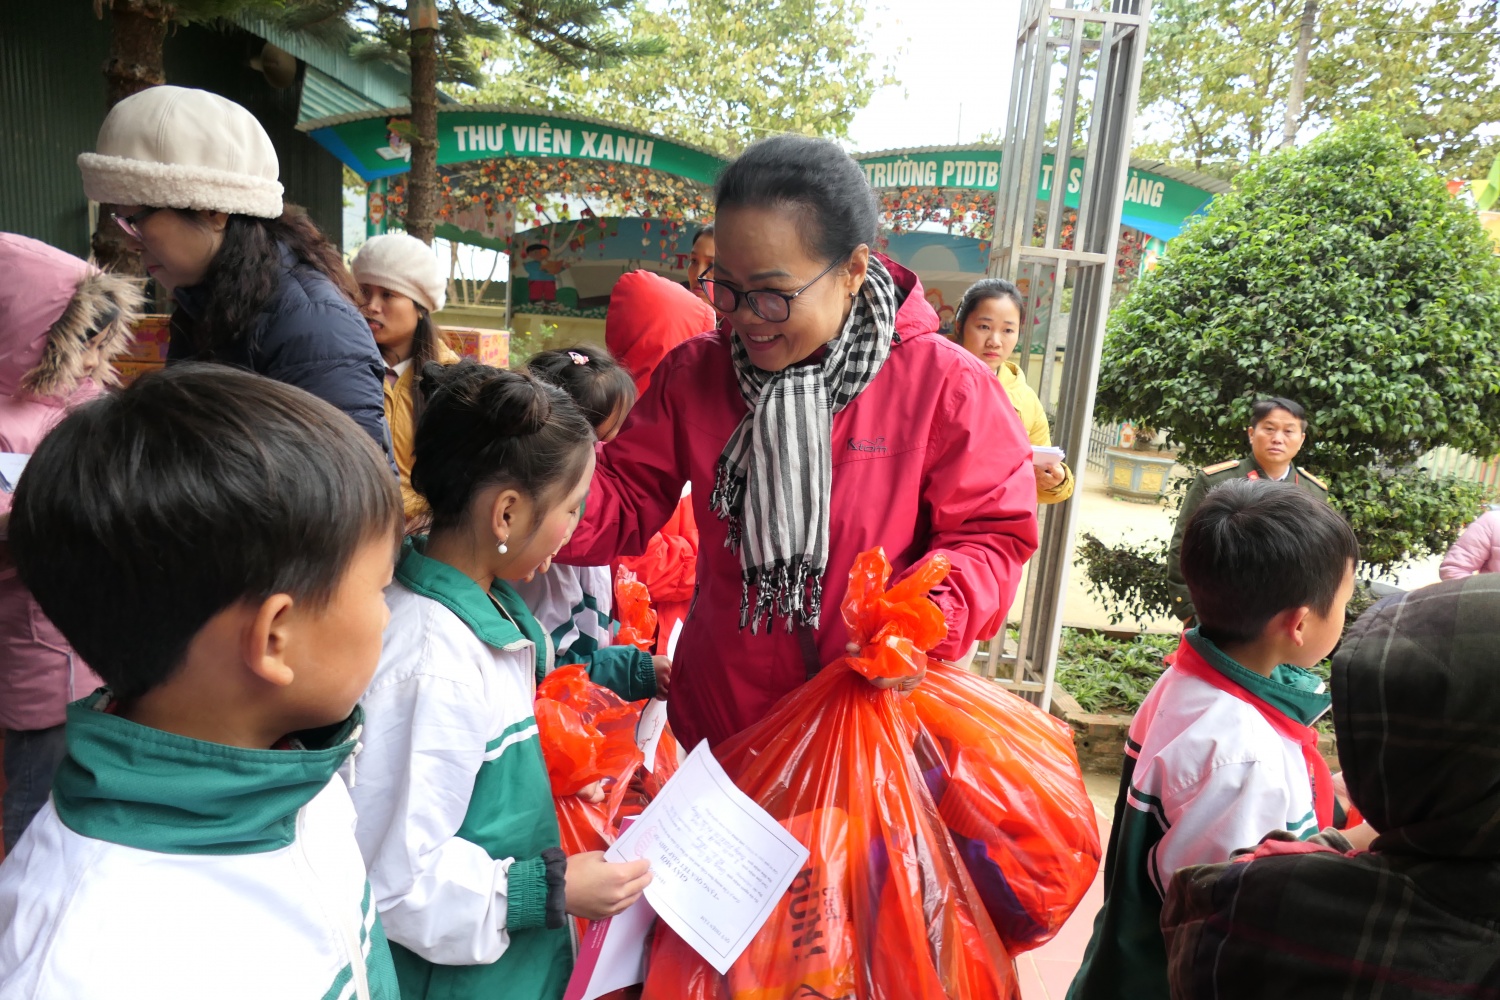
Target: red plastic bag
[
  {"x": 884, "y": 908},
  {"x": 1006, "y": 781},
  {"x": 634, "y": 613}
]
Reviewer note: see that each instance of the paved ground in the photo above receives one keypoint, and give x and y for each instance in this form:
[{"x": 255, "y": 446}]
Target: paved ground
[{"x": 1046, "y": 972}]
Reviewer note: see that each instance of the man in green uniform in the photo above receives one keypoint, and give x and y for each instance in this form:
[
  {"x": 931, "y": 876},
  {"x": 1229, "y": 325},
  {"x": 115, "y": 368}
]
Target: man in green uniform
[{"x": 1278, "y": 428}]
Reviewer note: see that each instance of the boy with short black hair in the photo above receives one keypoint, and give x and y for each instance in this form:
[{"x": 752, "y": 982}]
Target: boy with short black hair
[
  {"x": 1417, "y": 915},
  {"x": 217, "y": 546},
  {"x": 1223, "y": 750}
]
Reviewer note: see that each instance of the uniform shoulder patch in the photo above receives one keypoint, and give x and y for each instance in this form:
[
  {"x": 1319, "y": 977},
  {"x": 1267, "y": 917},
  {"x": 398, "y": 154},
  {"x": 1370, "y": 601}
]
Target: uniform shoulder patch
[
  {"x": 1313, "y": 479},
  {"x": 1222, "y": 467}
]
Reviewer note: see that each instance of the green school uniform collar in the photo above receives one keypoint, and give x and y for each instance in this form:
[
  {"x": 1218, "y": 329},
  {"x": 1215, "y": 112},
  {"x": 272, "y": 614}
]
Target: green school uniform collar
[
  {"x": 1297, "y": 693},
  {"x": 456, "y": 592},
  {"x": 156, "y": 791}
]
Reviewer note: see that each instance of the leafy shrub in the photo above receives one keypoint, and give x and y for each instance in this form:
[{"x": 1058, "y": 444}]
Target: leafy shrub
[
  {"x": 1342, "y": 275},
  {"x": 1130, "y": 580},
  {"x": 1110, "y": 675}
]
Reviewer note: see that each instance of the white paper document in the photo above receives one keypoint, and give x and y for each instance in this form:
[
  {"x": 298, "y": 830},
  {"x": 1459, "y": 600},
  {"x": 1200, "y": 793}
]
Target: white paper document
[
  {"x": 648, "y": 730},
  {"x": 719, "y": 862},
  {"x": 1042, "y": 454},
  {"x": 613, "y": 953},
  {"x": 672, "y": 639},
  {"x": 12, "y": 465}
]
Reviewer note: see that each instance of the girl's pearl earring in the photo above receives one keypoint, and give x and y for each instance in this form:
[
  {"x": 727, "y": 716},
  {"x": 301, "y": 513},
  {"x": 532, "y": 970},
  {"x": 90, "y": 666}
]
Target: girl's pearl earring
[{"x": 502, "y": 548}]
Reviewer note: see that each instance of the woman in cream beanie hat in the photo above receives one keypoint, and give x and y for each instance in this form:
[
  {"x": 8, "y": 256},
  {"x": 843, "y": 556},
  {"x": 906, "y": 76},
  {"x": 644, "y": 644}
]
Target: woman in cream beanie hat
[
  {"x": 192, "y": 180},
  {"x": 403, "y": 285}
]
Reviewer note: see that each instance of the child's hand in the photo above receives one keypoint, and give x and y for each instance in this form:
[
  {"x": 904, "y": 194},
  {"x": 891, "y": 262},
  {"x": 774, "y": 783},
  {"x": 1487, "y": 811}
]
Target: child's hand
[
  {"x": 596, "y": 889},
  {"x": 592, "y": 794},
  {"x": 663, "y": 675}
]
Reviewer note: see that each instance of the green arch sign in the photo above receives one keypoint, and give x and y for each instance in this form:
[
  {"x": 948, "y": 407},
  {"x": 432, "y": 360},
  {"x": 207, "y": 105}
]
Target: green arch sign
[{"x": 376, "y": 144}]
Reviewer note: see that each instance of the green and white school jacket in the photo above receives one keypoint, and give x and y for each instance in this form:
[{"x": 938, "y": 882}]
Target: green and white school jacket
[
  {"x": 1206, "y": 772},
  {"x": 454, "y": 804},
  {"x": 572, "y": 603},
  {"x": 174, "y": 869}
]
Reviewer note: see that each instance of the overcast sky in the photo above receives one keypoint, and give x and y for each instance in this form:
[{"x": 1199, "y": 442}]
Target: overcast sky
[{"x": 954, "y": 71}]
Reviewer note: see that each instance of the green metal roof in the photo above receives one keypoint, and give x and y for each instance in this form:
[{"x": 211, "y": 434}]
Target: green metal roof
[
  {"x": 335, "y": 82},
  {"x": 323, "y": 96}
]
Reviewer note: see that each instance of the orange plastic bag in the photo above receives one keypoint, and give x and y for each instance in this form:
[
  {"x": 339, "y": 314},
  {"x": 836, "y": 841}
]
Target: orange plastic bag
[
  {"x": 884, "y": 908},
  {"x": 634, "y": 613},
  {"x": 587, "y": 734},
  {"x": 1006, "y": 780}
]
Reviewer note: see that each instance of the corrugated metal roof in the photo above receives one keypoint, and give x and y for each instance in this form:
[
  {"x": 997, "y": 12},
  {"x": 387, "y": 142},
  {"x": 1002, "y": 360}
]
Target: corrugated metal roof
[
  {"x": 1203, "y": 182},
  {"x": 322, "y": 96},
  {"x": 381, "y": 83}
]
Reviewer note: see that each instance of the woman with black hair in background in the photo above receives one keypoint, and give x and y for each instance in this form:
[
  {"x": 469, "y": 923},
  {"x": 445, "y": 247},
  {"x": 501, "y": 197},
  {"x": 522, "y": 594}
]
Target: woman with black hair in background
[{"x": 191, "y": 179}]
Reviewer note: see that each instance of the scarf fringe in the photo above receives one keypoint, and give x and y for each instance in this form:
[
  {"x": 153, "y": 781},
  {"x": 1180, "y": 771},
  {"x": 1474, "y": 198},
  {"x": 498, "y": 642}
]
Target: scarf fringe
[
  {"x": 793, "y": 592},
  {"x": 727, "y": 500}
]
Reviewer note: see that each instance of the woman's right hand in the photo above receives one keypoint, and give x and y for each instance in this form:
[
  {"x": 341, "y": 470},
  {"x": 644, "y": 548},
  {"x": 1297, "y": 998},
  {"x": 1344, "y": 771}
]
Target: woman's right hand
[
  {"x": 903, "y": 684},
  {"x": 595, "y": 889}
]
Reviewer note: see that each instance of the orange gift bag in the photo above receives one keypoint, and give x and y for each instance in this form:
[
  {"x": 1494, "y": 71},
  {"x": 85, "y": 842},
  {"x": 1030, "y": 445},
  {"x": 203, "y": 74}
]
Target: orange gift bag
[
  {"x": 1006, "y": 781},
  {"x": 884, "y": 908}
]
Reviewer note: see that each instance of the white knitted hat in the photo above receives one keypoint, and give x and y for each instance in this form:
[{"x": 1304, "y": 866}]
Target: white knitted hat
[
  {"x": 403, "y": 264},
  {"x": 173, "y": 147}
]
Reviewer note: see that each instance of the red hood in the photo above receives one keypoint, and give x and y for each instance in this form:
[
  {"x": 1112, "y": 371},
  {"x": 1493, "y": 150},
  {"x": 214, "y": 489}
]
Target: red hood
[
  {"x": 648, "y": 316},
  {"x": 916, "y": 315}
]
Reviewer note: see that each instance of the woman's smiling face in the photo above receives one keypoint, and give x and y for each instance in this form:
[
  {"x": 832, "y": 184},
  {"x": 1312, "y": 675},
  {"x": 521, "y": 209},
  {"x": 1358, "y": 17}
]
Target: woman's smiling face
[{"x": 762, "y": 248}]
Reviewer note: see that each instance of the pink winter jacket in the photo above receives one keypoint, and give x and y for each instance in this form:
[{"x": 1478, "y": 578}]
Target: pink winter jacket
[
  {"x": 1476, "y": 551},
  {"x": 49, "y": 304},
  {"x": 929, "y": 458}
]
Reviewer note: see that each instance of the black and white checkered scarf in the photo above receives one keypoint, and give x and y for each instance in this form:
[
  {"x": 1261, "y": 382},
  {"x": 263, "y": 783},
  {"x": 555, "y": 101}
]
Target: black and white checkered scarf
[{"x": 775, "y": 475}]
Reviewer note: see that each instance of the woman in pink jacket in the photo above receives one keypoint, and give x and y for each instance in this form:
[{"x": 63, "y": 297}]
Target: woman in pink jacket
[
  {"x": 824, "y": 417},
  {"x": 61, "y": 322},
  {"x": 1476, "y": 551}
]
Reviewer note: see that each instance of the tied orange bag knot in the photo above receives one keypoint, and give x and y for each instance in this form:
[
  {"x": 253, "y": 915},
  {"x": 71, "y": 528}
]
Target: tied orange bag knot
[
  {"x": 894, "y": 627},
  {"x": 634, "y": 613}
]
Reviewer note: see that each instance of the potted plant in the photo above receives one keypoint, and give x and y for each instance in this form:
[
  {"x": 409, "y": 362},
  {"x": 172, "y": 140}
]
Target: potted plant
[{"x": 1140, "y": 469}]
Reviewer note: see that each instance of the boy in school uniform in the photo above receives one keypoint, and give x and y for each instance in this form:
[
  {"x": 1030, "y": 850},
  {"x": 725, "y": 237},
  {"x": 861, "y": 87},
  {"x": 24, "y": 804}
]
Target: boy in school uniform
[
  {"x": 1223, "y": 750},
  {"x": 1415, "y": 914},
  {"x": 216, "y": 545}
]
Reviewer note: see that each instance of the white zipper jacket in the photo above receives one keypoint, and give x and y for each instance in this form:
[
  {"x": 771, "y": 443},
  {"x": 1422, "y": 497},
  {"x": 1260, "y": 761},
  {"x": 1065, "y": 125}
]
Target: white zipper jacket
[{"x": 172, "y": 869}]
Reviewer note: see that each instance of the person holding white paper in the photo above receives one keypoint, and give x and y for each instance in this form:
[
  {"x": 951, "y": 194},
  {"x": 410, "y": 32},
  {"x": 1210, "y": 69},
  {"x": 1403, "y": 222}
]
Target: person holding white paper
[
  {"x": 988, "y": 325},
  {"x": 456, "y": 816}
]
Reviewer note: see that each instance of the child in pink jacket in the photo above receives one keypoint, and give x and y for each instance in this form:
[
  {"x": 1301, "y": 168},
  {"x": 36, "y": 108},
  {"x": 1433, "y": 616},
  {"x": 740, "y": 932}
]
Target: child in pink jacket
[
  {"x": 61, "y": 322},
  {"x": 1476, "y": 551}
]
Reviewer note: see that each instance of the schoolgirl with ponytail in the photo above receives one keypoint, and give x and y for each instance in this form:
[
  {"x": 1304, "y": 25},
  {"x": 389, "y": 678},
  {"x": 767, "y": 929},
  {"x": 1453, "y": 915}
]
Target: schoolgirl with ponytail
[{"x": 455, "y": 814}]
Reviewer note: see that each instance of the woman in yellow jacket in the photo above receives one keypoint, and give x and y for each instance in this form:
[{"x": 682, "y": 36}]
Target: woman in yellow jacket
[
  {"x": 403, "y": 285},
  {"x": 988, "y": 324}
]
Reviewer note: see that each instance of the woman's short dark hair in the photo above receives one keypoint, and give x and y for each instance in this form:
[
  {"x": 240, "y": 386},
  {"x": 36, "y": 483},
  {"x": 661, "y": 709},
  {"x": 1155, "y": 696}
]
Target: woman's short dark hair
[
  {"x": 600, "y": 386},
  {"x": 1263, "y": 408},
  {"x": 984, "y": 290},
  {"x": 827, "y": 191},
  {"x": 1255, "y": 548},
  {"x": 146, "y": 513},
  {"x": 487, "y": 427},
  {"x": 706, "y": 231},
  {"x": 244, "y": 274}
]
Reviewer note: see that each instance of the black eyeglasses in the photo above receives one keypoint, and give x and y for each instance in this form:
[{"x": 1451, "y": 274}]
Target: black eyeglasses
[
  {"x": 771, "y": 306},
  {"x": 132, "y": 223}
]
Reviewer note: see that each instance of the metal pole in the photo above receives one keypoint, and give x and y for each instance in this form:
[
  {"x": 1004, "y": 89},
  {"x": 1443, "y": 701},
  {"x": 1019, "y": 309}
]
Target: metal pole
[{"x": 1053, "y": 265}]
